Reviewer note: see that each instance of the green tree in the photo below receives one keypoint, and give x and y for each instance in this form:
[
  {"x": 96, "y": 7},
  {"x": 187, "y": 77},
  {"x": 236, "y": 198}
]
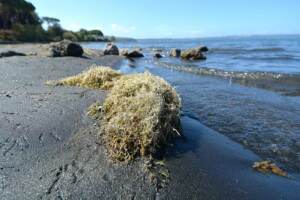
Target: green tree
[
  {"x": 55, "y": 32},
  {"x": 96, "y": 32},
  {"x": 17, "y": 11},
  {"x": 50, "y": 21},
  {"x": 19, "y": 22},
  {"x": 29, "y": 33},
  {"x": 69, "y": 35}
]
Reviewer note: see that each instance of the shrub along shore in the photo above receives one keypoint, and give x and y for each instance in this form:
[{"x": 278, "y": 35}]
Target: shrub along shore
[{"x": 19, "y": 22}]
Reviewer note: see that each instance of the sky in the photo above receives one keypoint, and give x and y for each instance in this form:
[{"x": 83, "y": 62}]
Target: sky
[{"x": 175, "y": 18}]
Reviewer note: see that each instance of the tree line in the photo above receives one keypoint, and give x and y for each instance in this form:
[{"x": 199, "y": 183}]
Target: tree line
[{"x": 19, "y": 22}]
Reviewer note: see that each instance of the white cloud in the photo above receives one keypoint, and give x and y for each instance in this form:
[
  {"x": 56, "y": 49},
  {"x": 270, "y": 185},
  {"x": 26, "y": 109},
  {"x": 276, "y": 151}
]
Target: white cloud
[{"x": 117, "y": 28}]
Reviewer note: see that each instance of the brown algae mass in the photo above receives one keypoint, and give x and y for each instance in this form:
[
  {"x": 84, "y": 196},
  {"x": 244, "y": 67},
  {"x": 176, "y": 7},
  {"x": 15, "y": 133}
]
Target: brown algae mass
[
  {"x": 94, "y": 111},
  {"x": 267, "y": 167},
  {"x": 97, "y": 77},
  {"x": 140, "y": 115}
]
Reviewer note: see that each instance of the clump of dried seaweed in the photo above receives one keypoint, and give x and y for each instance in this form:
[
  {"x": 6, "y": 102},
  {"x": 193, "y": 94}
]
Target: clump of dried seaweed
[
  {"x": 268, "y": 167},
  {"x": 97, "y": 77},
  {"x": 94, "y": 110},
  {"x": 140, "y": 115}
]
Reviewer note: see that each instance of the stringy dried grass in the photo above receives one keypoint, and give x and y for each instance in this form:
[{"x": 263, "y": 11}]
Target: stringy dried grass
[
  {"x": 97, "y": 77},
  {"x": 139, "y": 116},
  {"x": 94, "y": 110}
]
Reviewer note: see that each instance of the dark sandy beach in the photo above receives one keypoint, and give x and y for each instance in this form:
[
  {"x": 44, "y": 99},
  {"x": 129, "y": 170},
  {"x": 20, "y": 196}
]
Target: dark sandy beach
[{"x": 49, "y": 147}]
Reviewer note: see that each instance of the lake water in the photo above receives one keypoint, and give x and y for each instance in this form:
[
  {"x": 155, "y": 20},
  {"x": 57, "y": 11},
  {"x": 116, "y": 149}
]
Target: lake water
[
  {"x": 248, "y": 88},
  {"x": 279, "y": 54}
]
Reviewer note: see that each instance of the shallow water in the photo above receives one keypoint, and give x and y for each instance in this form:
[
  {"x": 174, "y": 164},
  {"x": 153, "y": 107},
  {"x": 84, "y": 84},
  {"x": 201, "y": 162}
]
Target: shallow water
[
  {"x": 221, "y": 168},
  {"x": 279, "y": 54},
  {"x": 264, "y": 121},
  {"x": 270, "y": 62}
]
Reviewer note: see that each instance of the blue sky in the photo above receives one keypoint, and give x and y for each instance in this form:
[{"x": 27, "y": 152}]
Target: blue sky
[{"x": 176, "y": 19}]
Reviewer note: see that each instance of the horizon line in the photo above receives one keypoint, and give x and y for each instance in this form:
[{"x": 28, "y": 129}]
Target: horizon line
[{"x": 218, "y": 36}]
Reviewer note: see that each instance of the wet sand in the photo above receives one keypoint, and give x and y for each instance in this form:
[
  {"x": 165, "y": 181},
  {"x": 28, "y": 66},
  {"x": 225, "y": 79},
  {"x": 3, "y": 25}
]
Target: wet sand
[
  {"x": 208, "y": 165},
  {"x": 49, "y": 148},
  {"x": 48, "y": 145}
]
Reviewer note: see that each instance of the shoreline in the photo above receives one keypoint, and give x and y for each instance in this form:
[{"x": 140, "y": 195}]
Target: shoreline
[
  {"x": 69, "y": 163},
  {"x": 285, "y": 84},
  {"x": 222, "y": 166}
]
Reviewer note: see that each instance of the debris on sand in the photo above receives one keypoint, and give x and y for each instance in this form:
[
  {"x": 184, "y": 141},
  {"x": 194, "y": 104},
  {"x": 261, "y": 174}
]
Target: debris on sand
[
  {"x": 158, "y": 173},
  {"x": 10, "y": 54},
  {"x": 139, "y": 116},
  {"x": 94, "y": 111},
  {"x": 269, "y": 167},
  {"x": 97, "y": 77}
]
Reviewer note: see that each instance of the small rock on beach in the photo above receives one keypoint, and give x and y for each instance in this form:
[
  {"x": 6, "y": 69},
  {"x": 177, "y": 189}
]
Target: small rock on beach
[
  {"x": 111, "y": 49},
  {"x": 65, "y": 48},
  {"x": 157, "y": 55},
  {"x": 194, "y": 53},
  {"x": 135, "y": 53},
  {"x": 175, "y": 52}
]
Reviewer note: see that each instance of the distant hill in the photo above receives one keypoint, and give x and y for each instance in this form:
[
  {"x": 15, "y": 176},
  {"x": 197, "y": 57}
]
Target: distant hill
[{"x": 125, "y": 39}]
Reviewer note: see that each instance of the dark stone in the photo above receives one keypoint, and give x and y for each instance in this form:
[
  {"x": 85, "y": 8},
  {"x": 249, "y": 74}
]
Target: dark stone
[
  {"x": 136, "y": 53},
  {"x": 157, "y": 55},
  {"x": 65, "y": 48},
  {"x": 75, "y": 50},
  {"x": 175, "y": 52},
  {"x": 111, "y": 49},
  {"x": 193, "y": 54},
  {"x": 203, "y": 48},
  {"x": 10, "y": 54}
]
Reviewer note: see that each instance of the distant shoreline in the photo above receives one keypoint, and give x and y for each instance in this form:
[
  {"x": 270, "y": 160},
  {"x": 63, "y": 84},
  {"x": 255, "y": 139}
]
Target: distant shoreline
[
  {"x": 118, "y": 39},
  {"x": 128, "y": 39},
  {"x": 225, "y": 36}
]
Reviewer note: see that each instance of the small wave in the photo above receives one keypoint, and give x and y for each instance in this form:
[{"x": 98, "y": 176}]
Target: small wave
[
  {"x": 268, "y": 58},
  {"x": 243, "y": 50},
  {"x": 286, "y": 84},
  {"x": 274, "y": 49},
  {"x": 233, "y": 74}
]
